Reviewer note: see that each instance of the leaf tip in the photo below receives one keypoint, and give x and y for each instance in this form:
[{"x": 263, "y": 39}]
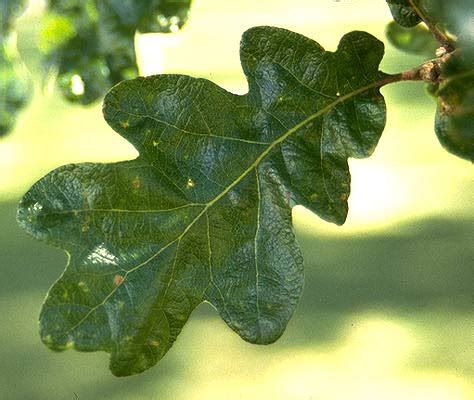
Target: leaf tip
[
  {"x": 262, "y": 331},
  {"x": 57, "y": 344}
]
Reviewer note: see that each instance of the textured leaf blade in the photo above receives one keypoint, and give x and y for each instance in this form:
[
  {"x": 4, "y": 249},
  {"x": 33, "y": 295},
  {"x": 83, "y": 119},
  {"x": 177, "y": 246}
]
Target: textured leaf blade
[{"x": 204, "y": 213}]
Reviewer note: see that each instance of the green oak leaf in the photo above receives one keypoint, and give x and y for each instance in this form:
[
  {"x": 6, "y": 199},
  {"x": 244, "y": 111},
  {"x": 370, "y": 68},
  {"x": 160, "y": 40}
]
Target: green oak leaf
[
  {"x": 403, "y": 13},
  {"x": 204, "y": 212},
  {"x": 90, "y": 44},
  {"x": 417, "y": 40}
]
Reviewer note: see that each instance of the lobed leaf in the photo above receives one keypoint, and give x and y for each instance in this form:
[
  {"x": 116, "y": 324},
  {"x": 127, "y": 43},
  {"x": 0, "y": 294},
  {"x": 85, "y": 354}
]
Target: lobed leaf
[{"x": 204, "y": 212}]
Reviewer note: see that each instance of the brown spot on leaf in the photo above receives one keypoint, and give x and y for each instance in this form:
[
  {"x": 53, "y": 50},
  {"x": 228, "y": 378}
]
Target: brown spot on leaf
[
  {"x": 344, "y": 197},
  {"x": 136, "y": 183},
  {"x": 118, "y": 280}
]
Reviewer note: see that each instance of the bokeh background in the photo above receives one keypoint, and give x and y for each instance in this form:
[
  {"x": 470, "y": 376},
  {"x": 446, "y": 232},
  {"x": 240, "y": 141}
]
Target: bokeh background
[{"x": 387, "y": 310}]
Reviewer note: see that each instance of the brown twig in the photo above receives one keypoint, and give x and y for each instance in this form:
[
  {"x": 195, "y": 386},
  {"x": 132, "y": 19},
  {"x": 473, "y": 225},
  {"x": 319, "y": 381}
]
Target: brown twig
[{"x": 429, "y": 71}]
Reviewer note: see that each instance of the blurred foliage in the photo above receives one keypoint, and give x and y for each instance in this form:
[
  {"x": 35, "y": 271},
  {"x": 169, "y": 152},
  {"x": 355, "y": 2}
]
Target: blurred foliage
[
  {"x": 454, "y": 122},
  {"x": 15, "y": 87},
  {"x": 87, "y": 47},
  {"x": 89, "y": 44},
  {"x": 452, "y": 22},
  {"x": 417, "y": 40},
  {"x": 9, "y": 10}
]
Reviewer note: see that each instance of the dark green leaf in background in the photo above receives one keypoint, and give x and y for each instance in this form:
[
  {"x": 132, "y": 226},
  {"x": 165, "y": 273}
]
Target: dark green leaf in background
[
  {"x": 454, "y": 17},
  {"x": 417, "y": 40},
  {"x": 204, "y": 212},
  {"x": 403, "y": 13},
  {"x": 452, "y": 25},
  {"x": 454, "y": 122}
]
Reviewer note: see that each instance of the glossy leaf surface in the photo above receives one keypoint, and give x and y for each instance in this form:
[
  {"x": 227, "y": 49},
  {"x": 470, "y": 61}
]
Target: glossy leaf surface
[{"x": 204, "y": 212}]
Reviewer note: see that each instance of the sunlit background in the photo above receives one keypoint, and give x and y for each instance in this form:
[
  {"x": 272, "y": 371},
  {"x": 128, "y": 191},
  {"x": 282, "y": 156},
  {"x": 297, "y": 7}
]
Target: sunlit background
[{"x": 387, "y": 311}]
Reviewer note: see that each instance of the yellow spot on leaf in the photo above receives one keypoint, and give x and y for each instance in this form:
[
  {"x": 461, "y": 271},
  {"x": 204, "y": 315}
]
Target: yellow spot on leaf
[
  {"x": 190, "y": 183},
  {"x": 48, "y": 339},
  {"x": 83, "y": 286},
  {"x": 124, "y": 124},
  {"x": 136, "y": 183}
]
